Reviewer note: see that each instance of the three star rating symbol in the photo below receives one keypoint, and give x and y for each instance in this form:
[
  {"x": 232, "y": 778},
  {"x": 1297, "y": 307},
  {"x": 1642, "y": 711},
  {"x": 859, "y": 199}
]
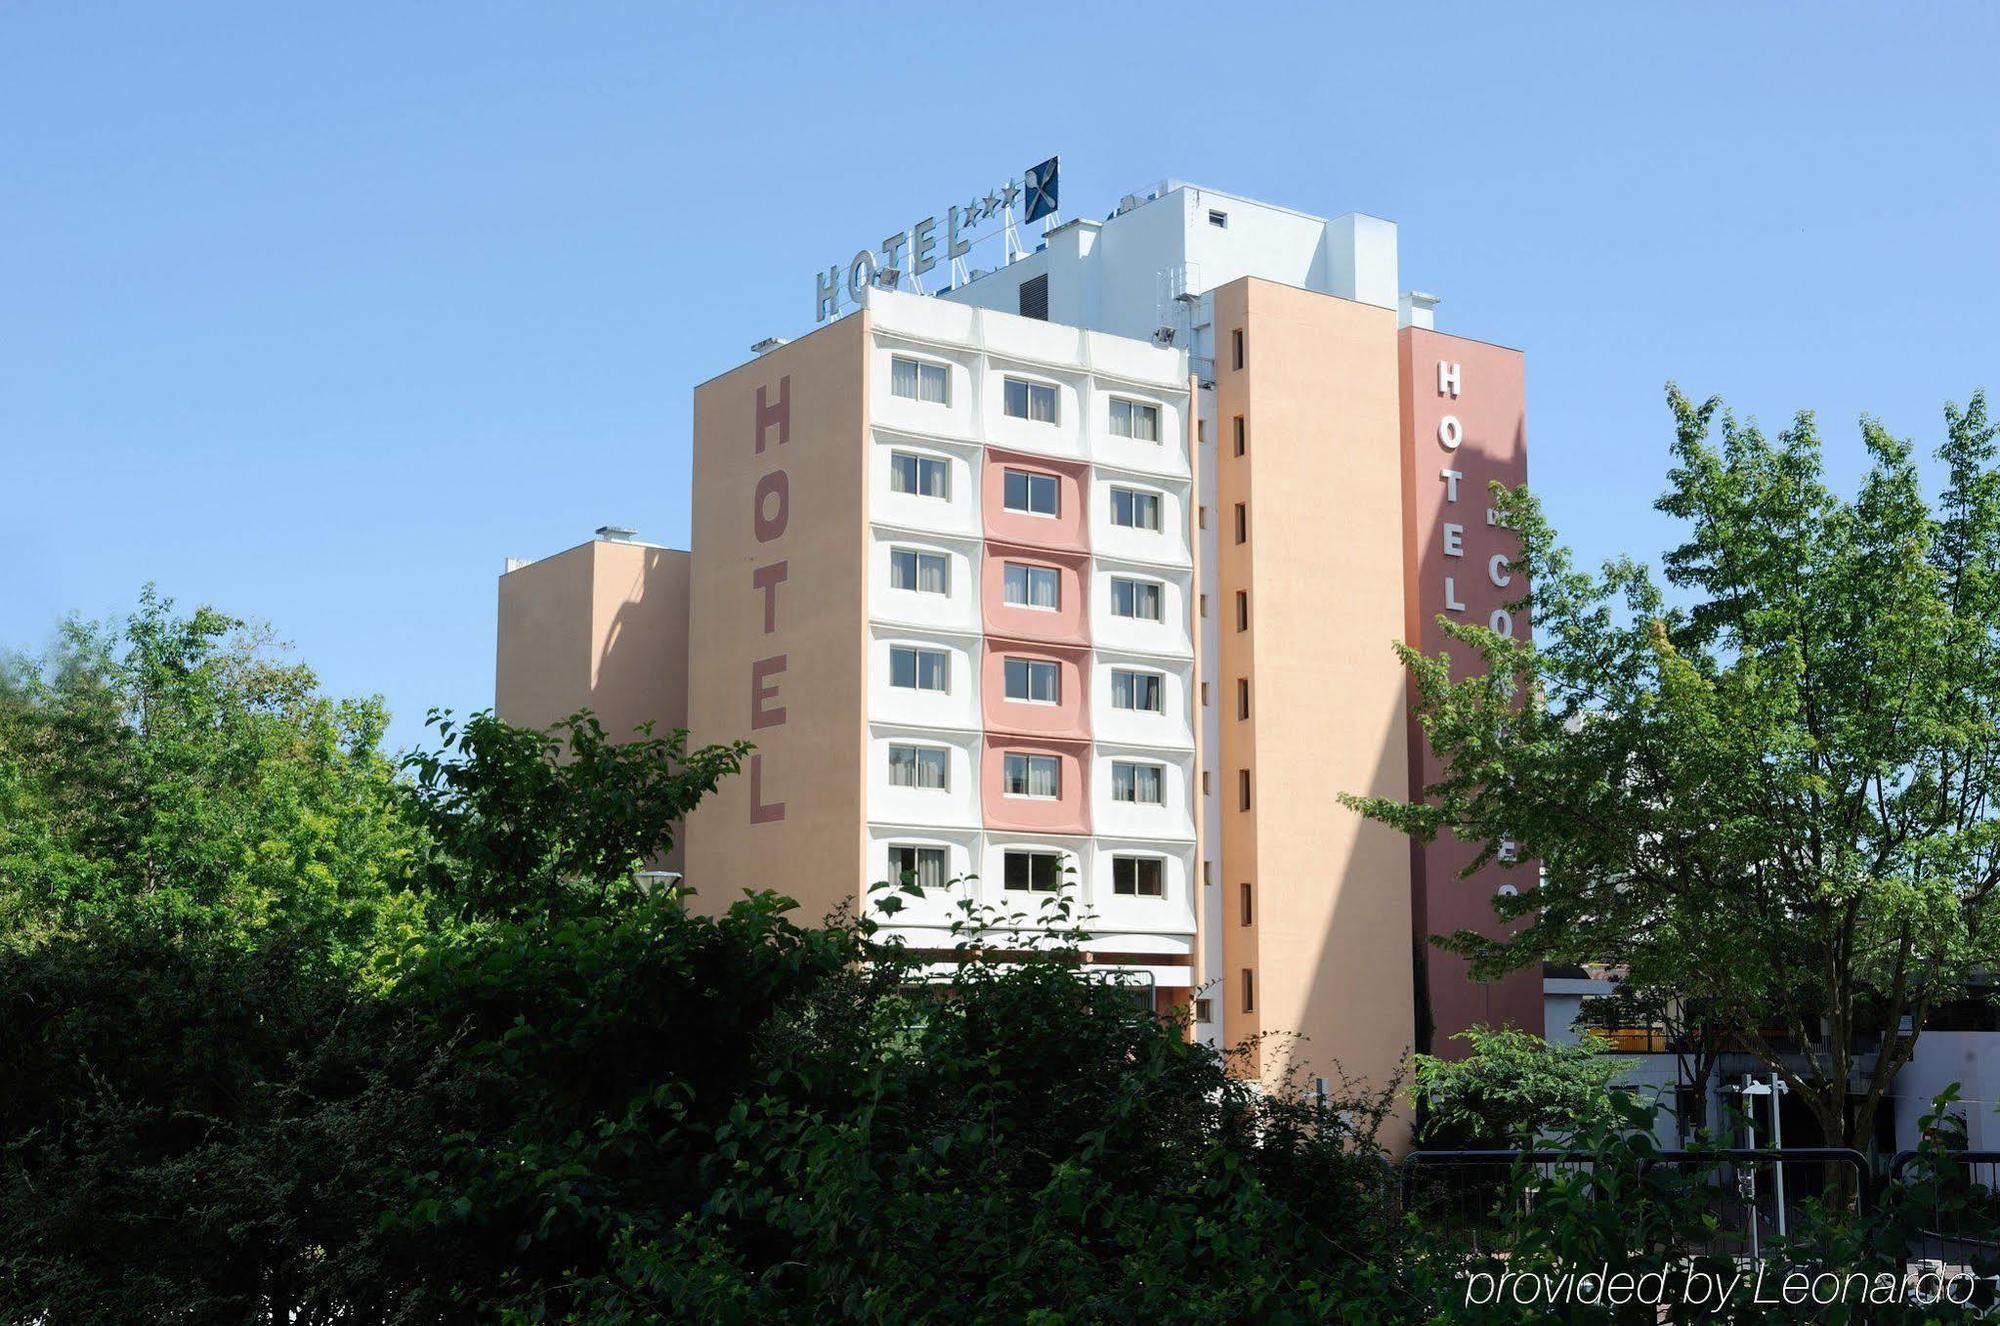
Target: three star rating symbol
[{"x": 984, "y": 209}]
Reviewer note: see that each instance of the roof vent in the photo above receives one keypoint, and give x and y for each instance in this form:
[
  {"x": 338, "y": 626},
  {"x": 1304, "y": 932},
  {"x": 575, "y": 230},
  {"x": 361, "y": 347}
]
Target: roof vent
[
  {"x": 768, "y": 344},
  {"x": 617, "y": 533}
]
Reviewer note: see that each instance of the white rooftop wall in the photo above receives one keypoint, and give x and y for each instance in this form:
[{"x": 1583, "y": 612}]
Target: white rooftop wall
[{"x": 1118, "y": 275}]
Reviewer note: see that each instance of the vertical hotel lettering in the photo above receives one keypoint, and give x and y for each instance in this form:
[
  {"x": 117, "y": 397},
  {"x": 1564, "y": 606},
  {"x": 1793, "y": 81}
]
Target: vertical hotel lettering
[
  {"x": 771, "y": 510},
  {"x": 1450, "y": 435}
]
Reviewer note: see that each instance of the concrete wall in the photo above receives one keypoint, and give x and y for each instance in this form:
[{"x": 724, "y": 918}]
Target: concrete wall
[
  {"x": 1321, "y": 479},
  {"x": 779, "y": 613}
]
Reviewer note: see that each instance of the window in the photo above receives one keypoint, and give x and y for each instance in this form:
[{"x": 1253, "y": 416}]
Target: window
[
  {"x": 1135, "y": 510},
  {"x": 915, "y": 380},
  {"x": 920, "y": 476},
  {"x": 1201, "y": 516},
  {"x": 1204, "y": 1010},
  {"x": 1141, "y": 784},
  {"x": 1249, "y": 992},
  {"x": 922, "y": 866},
  {"x": 1243, "y": 789},
  {"x": 1243, "y": 895},
  {"x": 1242, "y": 523},
  {"x": 919, "y": 766},
  {"x": 1024, "y": 586},
  {"x": 1031, "y": 872},
  {"x": 1032, "y": 775},
  {"x": 924, "y": 572},
  {"x": 1201, "y": 431},
  {"x": 919, "y": 669},
  {"x": 1036, "y": 494},
  {"x": 1034, "y": 401},
  {"x": 1135, "y": 598},
  {"x": 1136, "y": 690},
  {"x": 1242, "y": 610},
  {"x": 1138, "y": 876},
  {"x": 1220, "y": 220},
  {"x": 1135, "y": 419},
  {"x": 1243, "y": 697},
  {"x": 1204, "y": 783},
  {"x": 1204, "y": 695},
  {"x": 1204, "y": 605},
  {"x": 1238, "y": 428},
  {"x": 1207, "y": 873},
  {"x": 1034, "y": 680},
  {"x": 1236, "y": 347}
]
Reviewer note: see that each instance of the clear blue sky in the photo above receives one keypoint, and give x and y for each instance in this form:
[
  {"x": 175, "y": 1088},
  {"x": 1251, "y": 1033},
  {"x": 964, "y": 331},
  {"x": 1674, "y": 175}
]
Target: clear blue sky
[{"x": 316, "y": 313}]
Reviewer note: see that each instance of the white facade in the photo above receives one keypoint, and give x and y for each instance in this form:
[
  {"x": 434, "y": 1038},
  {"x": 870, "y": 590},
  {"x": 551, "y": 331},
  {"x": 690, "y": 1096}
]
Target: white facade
[{"x": 928, "y": 489}]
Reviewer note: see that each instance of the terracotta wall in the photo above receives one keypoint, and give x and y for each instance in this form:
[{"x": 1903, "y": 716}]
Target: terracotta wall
[
  {"x": 1461, "y": 431},
  {"x": 1321, "y": 477},
  {"x": 779, "y": 620}
]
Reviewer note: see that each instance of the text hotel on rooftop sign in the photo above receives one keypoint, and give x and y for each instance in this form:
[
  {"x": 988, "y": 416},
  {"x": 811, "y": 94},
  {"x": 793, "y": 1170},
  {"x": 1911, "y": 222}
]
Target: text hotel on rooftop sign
[{"x": 1038, "y": 185}]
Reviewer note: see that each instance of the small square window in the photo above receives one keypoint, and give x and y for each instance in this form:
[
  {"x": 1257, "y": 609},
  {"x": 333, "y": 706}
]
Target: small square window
[
  {"x": 1220, "y": 220},
  {"x": 1140, "y": 784},
  {"x": 1135, "y": 598},
  {"x": 1138, "y": 876},
  {"x": 1033, "y": 680},
  {"x": 1204, "y": 1010},
  {"x": 1031, "y": 492},
  {"x": 922, "y": 866},
  {"x": 927, "y": 767},
  {"x": 1025, "y": 586},
  {"x": 1135, "y": 690},
  {"x": 1132, "y": 509},
  {"x": 916, "y": 380},
  {"x": 1135, "y": 419},
  {"x": 1024, "y": 775},
  {"x": 1033, "y": 401},
  {"x": 916, "y": 669},
  {"x": 1032, "y": 872},
  {"x": 921, "y": 572},
  {"x": 919, "y": 476}
]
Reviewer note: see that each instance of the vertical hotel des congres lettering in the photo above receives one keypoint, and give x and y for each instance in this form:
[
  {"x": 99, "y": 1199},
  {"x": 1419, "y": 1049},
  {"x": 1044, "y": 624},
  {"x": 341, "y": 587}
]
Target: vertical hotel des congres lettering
[{"x": 1083, "y": 573}]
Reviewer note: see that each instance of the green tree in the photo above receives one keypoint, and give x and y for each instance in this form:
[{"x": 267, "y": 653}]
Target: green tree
[
  {"x": 1772, "y": 793},
  {"x": 180, "y": 771},
  {"x": 1513, "y": 1089}
]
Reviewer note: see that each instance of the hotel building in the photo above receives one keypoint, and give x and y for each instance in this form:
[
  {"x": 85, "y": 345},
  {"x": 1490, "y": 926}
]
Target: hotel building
[{"x": 1082, "y": 577}]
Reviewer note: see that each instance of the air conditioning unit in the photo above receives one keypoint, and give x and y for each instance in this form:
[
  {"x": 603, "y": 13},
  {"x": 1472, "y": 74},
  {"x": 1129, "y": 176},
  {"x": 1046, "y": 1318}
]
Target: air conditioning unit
[{"x": 1165, "y": 336}]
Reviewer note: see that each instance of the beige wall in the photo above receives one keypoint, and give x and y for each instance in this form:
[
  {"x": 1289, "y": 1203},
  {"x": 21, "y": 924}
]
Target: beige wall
[
  {"x": 1323, "y": 566},
  {"x": 601, "y": 626},
  {"x": 782, "y": 665}
]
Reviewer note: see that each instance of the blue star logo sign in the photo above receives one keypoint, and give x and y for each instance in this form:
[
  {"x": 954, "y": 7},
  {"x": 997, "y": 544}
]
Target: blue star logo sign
[{"x": 1041, "y": 185}]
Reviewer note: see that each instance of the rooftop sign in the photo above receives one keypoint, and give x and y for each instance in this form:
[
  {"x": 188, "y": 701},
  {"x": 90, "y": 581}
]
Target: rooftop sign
[{"x": 1037, "y": 187}]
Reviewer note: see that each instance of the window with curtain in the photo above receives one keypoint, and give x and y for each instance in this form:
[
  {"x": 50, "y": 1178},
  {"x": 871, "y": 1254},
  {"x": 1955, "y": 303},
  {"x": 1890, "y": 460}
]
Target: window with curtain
[
  {"x": 1030, "y": 492},
  {"x": 1135, "y": 690},
  {"x": 1024, "y": 586},
  {"x": 1025, "y": 775},
  {"x": 923, "y": 866},
  {"x": 924, "y": 572},
  {"x": 1138, "y": 876},
  {"x": 1036, "y": 872},
  {"x": 920, "y": 476},
  {"x": 1141, "y": 784},
  {"x": 1035, "y": 680},
  {"x": 1135, "y": 510},
  {"x": 917, "y": 380},
  {"x": 919, "y": 766},
  {"x": 1033, "y": 401},
  {"x": 919, "y": 669},
  {"x": 1135, "y": 598},
  {"x": 1135, "y": 419}
]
